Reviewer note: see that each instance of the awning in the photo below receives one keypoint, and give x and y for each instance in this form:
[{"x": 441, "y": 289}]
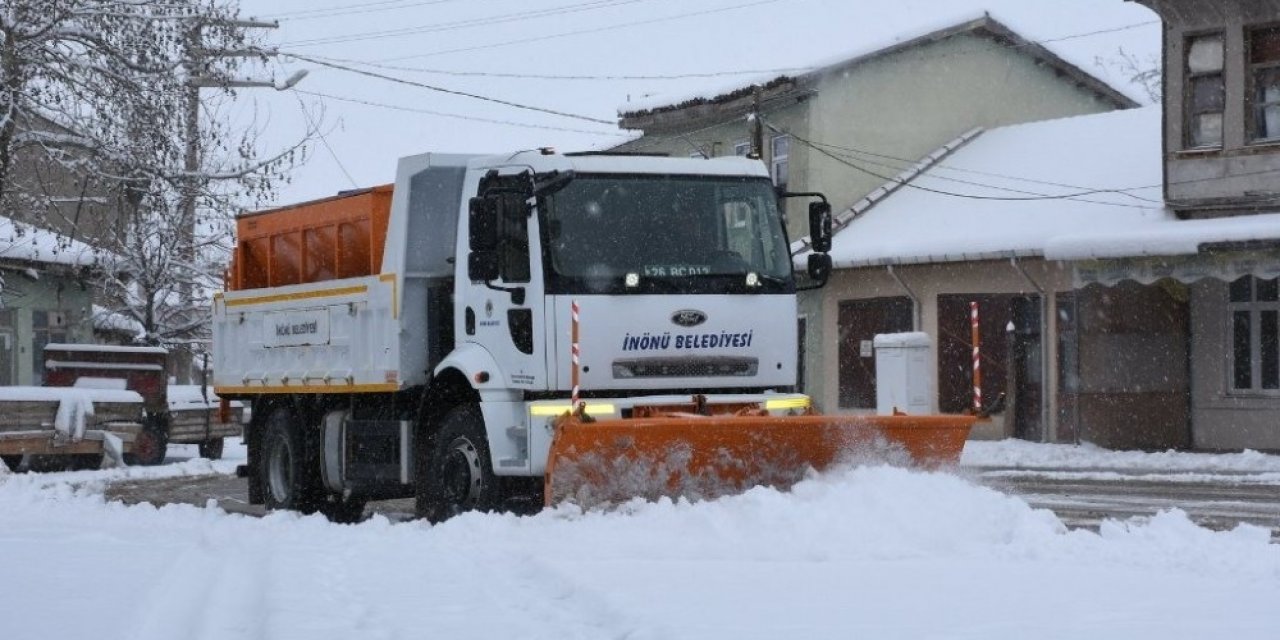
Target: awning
[
  {"x": 1223, "y": 265},
  {"x": 1186, "y": 250}
]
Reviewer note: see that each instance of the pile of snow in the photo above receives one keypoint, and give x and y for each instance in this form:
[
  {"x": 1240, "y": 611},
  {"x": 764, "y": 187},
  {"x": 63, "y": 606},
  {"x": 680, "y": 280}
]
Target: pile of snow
[
  {"x": 1029, "y": 455},
  {"x": 866, "y": 552}
]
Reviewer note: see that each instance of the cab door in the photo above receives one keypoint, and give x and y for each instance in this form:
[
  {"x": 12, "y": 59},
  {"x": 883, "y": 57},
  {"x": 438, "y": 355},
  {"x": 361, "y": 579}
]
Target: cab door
[{"x": 505, "y": 314}]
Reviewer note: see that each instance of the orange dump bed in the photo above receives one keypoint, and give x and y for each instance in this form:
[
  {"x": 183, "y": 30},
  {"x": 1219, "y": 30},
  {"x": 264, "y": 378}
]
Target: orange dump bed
[{"x": 338, "y": 237}]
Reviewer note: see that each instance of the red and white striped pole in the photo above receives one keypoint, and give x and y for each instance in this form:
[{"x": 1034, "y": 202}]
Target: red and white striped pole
[
  {"x": 977, "y": 358},
  {"x": 573, "y": 339}
]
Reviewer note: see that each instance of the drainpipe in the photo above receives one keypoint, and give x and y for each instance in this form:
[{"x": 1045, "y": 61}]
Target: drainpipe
[
  {"x": 1044, "y": 348},
  {"x": 916, "y": 316}
]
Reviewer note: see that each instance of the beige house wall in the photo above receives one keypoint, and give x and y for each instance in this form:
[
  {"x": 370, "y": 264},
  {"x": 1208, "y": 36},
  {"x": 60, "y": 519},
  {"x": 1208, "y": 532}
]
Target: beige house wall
[
  {"x": 908, "y": 104},
  {"x": 1222, "y": 419},
  {"x": 928, "y": 282}
]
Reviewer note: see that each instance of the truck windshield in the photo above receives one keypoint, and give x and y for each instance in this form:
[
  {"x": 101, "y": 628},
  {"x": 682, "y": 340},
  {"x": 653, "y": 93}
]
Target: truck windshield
[{"x": 695, "y": 234}]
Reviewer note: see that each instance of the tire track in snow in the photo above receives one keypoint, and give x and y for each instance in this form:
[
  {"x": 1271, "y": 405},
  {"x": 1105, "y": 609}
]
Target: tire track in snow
[{"x": 212, "y": 590}]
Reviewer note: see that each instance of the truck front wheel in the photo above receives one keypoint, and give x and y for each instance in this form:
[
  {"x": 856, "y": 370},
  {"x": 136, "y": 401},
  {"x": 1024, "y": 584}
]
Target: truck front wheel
[
  {"x": 283, "y": 471},
  {"x": 457, "y": 475}
]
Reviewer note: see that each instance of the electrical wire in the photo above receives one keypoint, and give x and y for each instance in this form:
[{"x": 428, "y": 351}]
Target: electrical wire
[
  {"x": 508, "y": 103},
  {"x": 907, "y": 164},
  {"x": 359, "y": 6},
  {"x": 1078, "y": 196},
  {"x": 315, "y": 126},
  {"x": 565, "y": 34},
  {"x": 469, "y": 23},
  {"x": 443, "y": 114},
  {"x": 546, "y": 76}
]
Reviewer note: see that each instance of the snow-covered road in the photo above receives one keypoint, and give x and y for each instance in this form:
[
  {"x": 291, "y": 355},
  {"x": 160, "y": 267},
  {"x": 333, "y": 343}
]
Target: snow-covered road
[{"x": 868, "y": 552}]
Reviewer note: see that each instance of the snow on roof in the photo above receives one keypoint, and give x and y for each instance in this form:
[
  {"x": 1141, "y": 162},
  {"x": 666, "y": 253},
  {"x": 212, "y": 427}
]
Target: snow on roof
[
  {"x": 1164, "y": 237},
  {"x": 19, "y": 241},
  {"x": 101, "y": 348},
  {"x": 105, "y": 319},
  {"x": 1011, "y": 190},
  {"x": 191, "y": 396},
  {"x": 587, "y": 163},
  {"x": 873, "y": 43}
]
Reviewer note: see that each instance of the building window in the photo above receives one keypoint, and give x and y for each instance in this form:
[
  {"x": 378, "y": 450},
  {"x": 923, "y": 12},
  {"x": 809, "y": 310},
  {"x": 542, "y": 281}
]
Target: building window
[
  {"x": 47, "y": 327},
  {"x": 1206, "y": 93},
  {"x": 742, "y": 148},
  {"x": 1254, "y": 309},
  {"x": 1264, "y": 73},
  {"x": 780, "y": 162}
]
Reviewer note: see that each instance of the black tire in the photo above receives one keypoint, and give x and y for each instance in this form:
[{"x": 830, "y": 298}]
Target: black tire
[
  {"x": 343, "y": 511},
  {"x": 457, "y": 475},
  {"x": 287, "y": 481},
  {"x": 12, "y": 462},
  {"x": 84, "y": 462},
  {"x": 211, "y": 449},
  {"x": 149, "y": 447},
  {"x": 42, "y": 463}
]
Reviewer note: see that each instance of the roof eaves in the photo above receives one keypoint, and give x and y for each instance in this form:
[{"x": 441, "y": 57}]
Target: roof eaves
[
  {"x": 993, "y": 28},
  {"x": 942, "y": 258}
]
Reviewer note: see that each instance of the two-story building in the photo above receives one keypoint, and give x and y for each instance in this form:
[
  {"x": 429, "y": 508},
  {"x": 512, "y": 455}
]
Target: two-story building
[{"x": 1220, "y": 253}]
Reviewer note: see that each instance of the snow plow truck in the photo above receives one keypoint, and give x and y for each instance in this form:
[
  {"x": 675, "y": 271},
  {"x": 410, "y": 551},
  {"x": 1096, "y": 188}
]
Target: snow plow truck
[{"x": 576, "y": 327}]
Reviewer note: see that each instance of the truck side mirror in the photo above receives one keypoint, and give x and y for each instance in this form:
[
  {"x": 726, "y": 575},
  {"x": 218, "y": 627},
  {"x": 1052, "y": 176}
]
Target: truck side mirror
[
  {"x": 820, "y": 228},
  {"x": 819, "y": 267}
]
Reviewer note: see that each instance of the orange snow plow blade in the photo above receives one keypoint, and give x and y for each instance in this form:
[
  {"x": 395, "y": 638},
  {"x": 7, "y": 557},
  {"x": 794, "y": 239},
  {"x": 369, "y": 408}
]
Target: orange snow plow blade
[{"x": 695, "y": 456}]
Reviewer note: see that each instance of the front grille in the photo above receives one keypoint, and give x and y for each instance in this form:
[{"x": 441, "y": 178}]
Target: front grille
[{"x": 711, "y": 367}]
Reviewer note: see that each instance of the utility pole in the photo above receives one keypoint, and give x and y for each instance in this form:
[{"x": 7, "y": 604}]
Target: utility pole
[
  {"x": 198, "y": 59},
  {"x": 757, "y": 126}
]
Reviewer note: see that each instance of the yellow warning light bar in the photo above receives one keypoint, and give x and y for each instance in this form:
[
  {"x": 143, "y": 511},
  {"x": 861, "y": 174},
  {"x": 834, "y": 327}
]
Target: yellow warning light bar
[
  {"x": 780, "y": 404},
  {"x": 561, "y": 409}
]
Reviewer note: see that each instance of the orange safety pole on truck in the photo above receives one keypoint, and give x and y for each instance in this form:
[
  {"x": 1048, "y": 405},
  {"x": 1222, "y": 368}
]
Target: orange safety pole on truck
[
  {"x": 574, "y": 341},
  {"x": 977, "y": 360}
]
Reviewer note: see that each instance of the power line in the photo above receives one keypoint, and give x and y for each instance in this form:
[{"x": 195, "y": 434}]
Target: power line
[
  {"x": 1078, "y": 196},
  {"x": 378, "y": 63},
  {"x": 455, "y": 92},
  {"x": 905, "y": 163},
  {"x": 543, "y": 76},
  {"x": 1120, "y": 191},
  {"x": 315, "y": 126},
  {"x": 566, "y": 34},
  {"x": 443, "y": 114},
  {"x": 357, "y": 7},
  {"x": 469, "y": 23}
]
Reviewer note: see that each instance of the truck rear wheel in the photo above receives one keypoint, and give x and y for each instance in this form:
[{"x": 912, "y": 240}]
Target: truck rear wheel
[
  {"x": 285, "y": 478},
  {"x": 458, "y": 475},
  {"x": 12, "y": 462}
]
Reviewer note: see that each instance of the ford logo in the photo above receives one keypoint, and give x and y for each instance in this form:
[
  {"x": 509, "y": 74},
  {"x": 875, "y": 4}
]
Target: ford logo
[{"x": 688, "y": 317}]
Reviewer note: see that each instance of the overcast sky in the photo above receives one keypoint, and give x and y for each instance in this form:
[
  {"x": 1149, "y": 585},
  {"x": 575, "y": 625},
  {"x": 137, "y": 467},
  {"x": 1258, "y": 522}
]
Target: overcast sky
[{"x": 585, "y": 59}]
